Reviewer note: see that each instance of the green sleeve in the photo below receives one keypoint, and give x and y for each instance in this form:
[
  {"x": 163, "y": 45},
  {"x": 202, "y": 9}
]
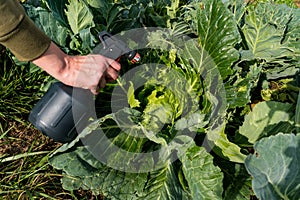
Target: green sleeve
[{"x": 19, "y": 33}]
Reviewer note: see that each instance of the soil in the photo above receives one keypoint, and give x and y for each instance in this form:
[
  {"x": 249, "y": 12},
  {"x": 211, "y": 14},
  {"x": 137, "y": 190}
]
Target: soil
[{"x": 22, "y": 138}]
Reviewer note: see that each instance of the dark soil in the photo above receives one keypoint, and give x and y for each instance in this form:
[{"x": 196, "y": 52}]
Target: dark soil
[{"x": 22, "y": 138}]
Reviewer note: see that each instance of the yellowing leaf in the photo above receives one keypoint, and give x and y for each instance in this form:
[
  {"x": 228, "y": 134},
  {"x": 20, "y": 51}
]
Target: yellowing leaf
[{"x": 132, "y": 101}]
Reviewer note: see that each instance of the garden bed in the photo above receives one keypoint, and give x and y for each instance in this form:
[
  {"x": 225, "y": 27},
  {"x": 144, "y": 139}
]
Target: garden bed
[{"x": 215, "y": 97}]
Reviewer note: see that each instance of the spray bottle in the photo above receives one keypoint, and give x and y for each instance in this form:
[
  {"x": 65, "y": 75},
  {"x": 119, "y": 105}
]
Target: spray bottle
[{"x": 65, "y": 111}]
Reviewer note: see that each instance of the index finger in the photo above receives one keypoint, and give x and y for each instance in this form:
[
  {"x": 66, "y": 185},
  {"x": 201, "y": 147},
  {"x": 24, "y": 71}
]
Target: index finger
[{"x": 115, "y": 65}]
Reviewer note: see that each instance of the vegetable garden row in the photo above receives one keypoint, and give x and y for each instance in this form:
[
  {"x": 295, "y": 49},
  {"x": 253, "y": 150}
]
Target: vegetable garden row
[{"x": 211, "y": 111}]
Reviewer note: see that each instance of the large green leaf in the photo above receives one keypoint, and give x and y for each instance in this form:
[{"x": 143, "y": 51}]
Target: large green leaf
[
  {"x": 83, "y": 170},
  {"x": 267, "y": 118},
  {"x": 223, "y": 147},
  {"x": 205, "y": 180},
  {"x": 48, "y": 23},
  {"x": 164, "y": 184},
  {"x": 114, "y": 184},
  {"x": 265, "y": 31},
  {"x": 275, "y": 167},
  {"x": 57, "y": 8},
  {"x": 79, "y": 16},
  {"x": 217, "y": 34},
  {"x": 200, "y": 62},
  {"x": 79, "y": 173}
]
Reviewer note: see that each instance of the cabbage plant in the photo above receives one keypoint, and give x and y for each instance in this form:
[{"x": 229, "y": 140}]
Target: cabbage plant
[{"x": 211, "y": 112}]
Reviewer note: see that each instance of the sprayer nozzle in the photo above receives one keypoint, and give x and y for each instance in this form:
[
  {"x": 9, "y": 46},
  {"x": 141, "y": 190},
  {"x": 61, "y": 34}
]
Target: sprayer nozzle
[{"x": 136, "y": 58}]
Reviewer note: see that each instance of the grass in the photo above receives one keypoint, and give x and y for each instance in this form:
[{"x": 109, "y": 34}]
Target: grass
[
  {"x": 24, "y": 169},
  {"x": 24, "y": 151},
  {"x": 20, "y": 87}
]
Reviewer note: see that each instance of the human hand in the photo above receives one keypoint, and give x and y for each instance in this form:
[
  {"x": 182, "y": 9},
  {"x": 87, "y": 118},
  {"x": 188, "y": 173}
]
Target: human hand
[{"x": 88, "y": 72}]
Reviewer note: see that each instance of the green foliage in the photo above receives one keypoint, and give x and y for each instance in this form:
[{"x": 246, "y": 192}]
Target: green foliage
[
  {"x": 267, "y": 118},
  {"x": 266, "y": 34},
  {"x": 239, "y": 183},
  {"x": 79, "y": 16},
  {"x": 58, "y": 10},
  {"x": 214, "y": 62},
  {"x": 204, "y": 179},
  {"x": 221, "y": 38},
  {"x": 49, "y": 24},
  {"x": 280, "y": 180},
  {"x": 21, "y": 87}
]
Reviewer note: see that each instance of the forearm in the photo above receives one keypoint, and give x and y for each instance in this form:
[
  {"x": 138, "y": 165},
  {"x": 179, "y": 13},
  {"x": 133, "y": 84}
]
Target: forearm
[
  {"x": 24, "y": 39},
  {"x": 89, "y": 72},
  {"x": 70, "y": 69},
  {"x": 53, "y": 61}
]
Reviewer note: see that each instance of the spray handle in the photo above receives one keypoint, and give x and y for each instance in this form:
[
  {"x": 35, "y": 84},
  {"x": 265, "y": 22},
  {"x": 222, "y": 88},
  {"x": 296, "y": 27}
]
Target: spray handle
[{"x": 114, "y": 48}]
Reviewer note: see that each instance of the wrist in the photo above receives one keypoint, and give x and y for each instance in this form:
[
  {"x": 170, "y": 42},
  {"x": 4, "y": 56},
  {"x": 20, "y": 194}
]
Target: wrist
[{"x": 54, "y": 61}]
